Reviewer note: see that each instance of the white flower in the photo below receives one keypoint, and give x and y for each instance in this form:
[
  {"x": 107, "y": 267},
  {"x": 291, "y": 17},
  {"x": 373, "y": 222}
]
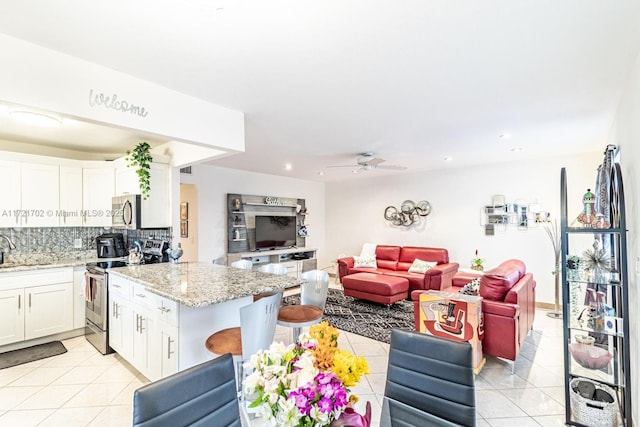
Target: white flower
[
  {"x": 288, "y": 414},
  {"x": 251, "y": 381},
  {"x": 306, "y": 372},
  {"x": 320, "y": 418}
]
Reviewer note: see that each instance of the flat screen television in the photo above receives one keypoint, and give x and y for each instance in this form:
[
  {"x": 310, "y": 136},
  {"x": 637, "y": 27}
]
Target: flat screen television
[{"x": 273, "y": 232}]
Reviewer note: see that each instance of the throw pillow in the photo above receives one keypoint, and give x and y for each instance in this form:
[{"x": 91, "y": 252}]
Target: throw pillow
[
  {"x": 420, "y": 266},
  {"x": 471, "y": 288},
  {"x": 364, "y": 262}
]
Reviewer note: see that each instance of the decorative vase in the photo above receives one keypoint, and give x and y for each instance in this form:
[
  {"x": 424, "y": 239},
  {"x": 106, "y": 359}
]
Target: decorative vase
[
  {"x": 477, "y": 267},
  {"x": 600, "y": 275}
]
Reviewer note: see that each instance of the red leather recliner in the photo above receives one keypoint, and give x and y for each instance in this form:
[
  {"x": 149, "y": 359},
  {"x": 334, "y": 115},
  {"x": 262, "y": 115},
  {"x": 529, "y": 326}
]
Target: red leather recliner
[{"x": 508, "y": 306}]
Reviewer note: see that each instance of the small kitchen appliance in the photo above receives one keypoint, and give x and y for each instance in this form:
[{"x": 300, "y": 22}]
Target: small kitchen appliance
[
  {"x": 111, "y": 245},
  {"x": 154, "y": 251}
]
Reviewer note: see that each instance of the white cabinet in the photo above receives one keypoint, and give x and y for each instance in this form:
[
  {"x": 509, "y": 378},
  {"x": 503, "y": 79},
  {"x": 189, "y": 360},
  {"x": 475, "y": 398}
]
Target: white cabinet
[
  {"x": 155, "y": 209},
  {"x": 10, "y": 193},
  {"x": 48, "y": 310},
  {"x": 97, "y": 191},
  {"x": 143, "y": 328},
  {"x": 11, "y": 316},
  {"x": 40, "y": 186},
  {"x": 70, "y": 196},
  {"x": 35, "y": 304}
]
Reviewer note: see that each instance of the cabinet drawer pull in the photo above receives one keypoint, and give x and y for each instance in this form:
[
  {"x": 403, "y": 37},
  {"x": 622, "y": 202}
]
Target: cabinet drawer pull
[
  {"x": 141, "y": 295},
  {"x": 164, "y": 309},
  {"x": 116, "y": 285},
  {"x": 169, "y": 352},
  {"x": 19, "y": 302},
  {"x": 29, "y": 301},
  {"x": 137, "y": 323}
]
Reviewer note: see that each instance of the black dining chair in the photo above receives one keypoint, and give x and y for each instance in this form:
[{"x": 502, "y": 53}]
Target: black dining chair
[
  {"x": 430, "y": 381},
  {"x": 203, "y": 395}
]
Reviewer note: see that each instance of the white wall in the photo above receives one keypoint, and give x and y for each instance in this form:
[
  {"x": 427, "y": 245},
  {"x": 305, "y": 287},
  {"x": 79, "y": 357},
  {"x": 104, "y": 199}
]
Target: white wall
[
  {"x": 213, "y": 185},
  {"x": 626, "y": 134},
  {"x": 355, "y": 211}
]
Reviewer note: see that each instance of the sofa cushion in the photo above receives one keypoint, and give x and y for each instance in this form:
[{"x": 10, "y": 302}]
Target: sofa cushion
[
  {"x": 495, "y": 283},
  {"x": 420, "y": 266},
  {"x": 409, "y": 253},
  {"x": 387, "y": 256},
  {"x": 364, "y": 262}
]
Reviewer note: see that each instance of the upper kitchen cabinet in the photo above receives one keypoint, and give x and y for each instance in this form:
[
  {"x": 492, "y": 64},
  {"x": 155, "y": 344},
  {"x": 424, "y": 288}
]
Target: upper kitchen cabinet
[
  {"x": 29, "y": 194},
  {"x": 40, "y": 187},
  {"x": 97, "y": 191},
  {"x": 71, "y": 196},
  {"x": 155, "y": 209},
  {"x": 10, "y": 193}
]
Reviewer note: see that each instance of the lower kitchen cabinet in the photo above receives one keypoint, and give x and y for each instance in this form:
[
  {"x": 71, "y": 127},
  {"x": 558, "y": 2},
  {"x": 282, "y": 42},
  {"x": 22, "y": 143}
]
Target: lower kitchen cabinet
[
  {"x": 11, "y": 316},
  {"x": 35, "y": 304},
  {"x": 143, "y": 328}
]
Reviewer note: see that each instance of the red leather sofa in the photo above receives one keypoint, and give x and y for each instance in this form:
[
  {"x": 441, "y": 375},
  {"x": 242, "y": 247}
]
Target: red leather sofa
[
  {"x": 508, "y": 306},
  {"x": 396, "y": 260}
]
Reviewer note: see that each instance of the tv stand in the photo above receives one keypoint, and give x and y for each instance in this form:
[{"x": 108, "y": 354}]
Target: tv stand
[{"x": 297, "y": 260}]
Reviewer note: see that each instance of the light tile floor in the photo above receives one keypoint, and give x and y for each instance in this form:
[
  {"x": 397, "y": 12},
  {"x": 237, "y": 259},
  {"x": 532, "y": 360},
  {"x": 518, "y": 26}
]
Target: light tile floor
[{"x": 84, "y": 388}]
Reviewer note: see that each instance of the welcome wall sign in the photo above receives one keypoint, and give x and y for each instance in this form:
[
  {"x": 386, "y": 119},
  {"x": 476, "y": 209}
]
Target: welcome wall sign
[{"x": 113, "y": 103}]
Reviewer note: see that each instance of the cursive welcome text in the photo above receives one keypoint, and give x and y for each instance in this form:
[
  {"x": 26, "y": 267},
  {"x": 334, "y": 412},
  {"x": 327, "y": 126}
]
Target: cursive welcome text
[{"x": 99, "y": 99}]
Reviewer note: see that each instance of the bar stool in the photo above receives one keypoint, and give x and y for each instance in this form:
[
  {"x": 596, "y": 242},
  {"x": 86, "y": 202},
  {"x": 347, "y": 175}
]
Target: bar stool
[
  {"x": 244, "y": 264},
  {"x": 313, "y": 296},
  {"x": 256, "y": 330},
  {"x": 274, "y": 268}
]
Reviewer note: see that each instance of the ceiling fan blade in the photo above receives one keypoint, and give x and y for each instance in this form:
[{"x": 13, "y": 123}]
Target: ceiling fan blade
[
  {"x": 343, "y": 166},
  {"x": 374, "y": 161},
  {"x": 392, "y": 167}
]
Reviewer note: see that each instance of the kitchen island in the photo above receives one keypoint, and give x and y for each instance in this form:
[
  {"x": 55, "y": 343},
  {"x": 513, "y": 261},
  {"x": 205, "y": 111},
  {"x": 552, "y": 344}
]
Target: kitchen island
[{"x": 160, "y": 315}]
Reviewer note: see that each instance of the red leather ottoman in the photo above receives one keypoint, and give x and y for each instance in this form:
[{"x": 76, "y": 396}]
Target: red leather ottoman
[
  {"x": 378, "y": 288},
  {"x": 462, "y": 278}
]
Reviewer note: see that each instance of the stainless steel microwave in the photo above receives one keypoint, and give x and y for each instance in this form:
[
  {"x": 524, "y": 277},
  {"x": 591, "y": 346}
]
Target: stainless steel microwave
[{"x": 127, "y": 212}]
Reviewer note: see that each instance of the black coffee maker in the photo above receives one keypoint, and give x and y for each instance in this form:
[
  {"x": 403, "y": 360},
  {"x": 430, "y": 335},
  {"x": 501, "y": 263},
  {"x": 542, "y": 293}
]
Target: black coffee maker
[{"x": 111, "y": 245}]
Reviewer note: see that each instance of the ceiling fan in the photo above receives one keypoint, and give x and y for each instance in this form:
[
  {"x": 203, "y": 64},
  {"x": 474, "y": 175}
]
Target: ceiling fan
[{"x": 366, "y": 161}]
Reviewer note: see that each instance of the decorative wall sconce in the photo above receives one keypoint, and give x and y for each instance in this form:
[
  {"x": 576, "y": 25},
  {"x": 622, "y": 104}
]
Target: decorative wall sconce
[{"x": 409, "y": 213}]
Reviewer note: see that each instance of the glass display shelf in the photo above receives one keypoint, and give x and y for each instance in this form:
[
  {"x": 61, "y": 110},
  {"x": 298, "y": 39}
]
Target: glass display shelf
[
  {"x": 572, "y": 230},
  {"x": 587, "y": 281},
  {"x": 608, "y": 375},
  {"x": 582, "y": 325}
]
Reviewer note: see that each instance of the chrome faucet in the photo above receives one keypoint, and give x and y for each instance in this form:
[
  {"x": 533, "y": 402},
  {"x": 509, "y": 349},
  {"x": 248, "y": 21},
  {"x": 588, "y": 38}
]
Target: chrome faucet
[{"x": 12, "y": 246}]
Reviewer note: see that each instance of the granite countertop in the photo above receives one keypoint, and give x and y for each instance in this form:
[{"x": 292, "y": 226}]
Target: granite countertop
[
  {"x": 15, "y": 267},
  {"x": 201, "y": 284}
]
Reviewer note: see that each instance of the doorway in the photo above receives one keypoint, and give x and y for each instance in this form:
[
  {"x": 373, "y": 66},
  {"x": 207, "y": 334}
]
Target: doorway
[{"x": 189, "y": 222}]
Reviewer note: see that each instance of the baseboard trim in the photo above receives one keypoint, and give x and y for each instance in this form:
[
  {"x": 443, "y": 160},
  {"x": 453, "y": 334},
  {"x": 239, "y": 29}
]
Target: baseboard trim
[{"x": 546, "y": 306}]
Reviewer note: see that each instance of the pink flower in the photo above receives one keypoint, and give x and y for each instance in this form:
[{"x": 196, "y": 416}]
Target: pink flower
[{"x": 350, "y": 418}]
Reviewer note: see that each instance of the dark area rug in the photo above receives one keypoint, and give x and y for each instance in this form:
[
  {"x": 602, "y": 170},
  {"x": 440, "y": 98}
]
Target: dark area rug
[
  {"x": 362, "y": 317},
  {"x": 30, "y": 354}
]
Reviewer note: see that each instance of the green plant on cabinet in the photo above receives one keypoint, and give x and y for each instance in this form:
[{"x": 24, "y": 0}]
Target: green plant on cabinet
[{"x": 141, "y": 159}]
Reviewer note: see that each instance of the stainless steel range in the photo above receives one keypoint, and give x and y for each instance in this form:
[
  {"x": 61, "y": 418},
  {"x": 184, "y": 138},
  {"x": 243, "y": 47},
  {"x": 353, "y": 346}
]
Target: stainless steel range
[
  {"x": 97, "y": 291},
  {"x": 97, "y": 304}
]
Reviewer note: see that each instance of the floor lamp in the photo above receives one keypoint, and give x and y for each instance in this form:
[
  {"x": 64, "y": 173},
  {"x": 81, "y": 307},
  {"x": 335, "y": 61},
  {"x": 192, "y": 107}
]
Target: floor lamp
[{"x": 552, "y": 232}]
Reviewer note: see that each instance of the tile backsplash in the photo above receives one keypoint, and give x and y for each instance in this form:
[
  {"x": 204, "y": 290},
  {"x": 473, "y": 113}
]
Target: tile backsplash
[{"x": 48, "y": 244}]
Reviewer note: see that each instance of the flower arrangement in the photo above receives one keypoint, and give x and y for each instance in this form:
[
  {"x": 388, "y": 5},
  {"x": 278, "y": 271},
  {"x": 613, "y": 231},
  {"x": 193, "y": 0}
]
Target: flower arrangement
[
  {"x": 307, "y": 383},
  {"x": 476, "y": 263}
]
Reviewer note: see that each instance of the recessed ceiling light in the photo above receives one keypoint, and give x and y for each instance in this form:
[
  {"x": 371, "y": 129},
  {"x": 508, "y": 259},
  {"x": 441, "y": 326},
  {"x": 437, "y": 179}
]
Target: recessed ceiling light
[
  {"x": 354, "y": 171},
  {"x": 35, "y": 118},
  {"x": 448, "y": 159},
  {"x": 505, "y": 136},
  {"x": 516, "y": 149},
  {"x": 320, "y": 173},
  {"x": 287, "y": 166}
]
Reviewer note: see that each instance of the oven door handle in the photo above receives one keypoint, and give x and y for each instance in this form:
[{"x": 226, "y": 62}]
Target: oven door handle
[{"x": 99, "y": 277}]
